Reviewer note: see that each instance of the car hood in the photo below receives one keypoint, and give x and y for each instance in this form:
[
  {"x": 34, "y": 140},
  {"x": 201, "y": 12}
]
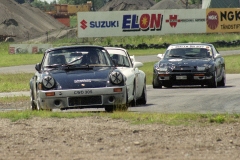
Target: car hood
[
  {"x": 83, "y": 78},
  {"x": 186, "y": 62}
]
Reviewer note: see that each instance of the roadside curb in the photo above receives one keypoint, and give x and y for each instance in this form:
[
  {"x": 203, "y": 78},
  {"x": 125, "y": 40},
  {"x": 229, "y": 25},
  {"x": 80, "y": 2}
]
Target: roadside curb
[{"x": 14, "y": 94}]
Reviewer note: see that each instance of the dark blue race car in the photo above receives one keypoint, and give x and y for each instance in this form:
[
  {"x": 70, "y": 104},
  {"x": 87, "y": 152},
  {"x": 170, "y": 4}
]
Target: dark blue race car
[
  {"x": 189, "y": 64},
  {"x": 77, "y": 77}
]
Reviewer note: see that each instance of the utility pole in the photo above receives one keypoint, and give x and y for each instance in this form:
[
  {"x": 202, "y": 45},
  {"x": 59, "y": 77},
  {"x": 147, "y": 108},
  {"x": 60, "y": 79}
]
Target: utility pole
[{"x": 186, "y": 3}]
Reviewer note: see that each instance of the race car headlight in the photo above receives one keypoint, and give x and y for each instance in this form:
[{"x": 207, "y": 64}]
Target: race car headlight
[
  {"x": 201, "y": 68},
  {"x": 48, "y": 82},
  {"x": 116, "y": 77},
  {"x": 209, "y": 66}
]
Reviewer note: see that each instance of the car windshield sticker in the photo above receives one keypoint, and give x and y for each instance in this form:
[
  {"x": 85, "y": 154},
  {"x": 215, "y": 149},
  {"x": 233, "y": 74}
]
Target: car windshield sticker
[
  {"x": 82, "y": 80},
  {"x": 188, "y": 46},
  {"x": 174, "y": 60}
]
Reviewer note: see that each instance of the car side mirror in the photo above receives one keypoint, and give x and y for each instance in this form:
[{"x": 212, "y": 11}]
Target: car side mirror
[
  {"x": 137, "y": 64},
  {"x": 160, "y": 56},
  {"x": 38, "y": 67},
  {"x": 217, "y": 56}
]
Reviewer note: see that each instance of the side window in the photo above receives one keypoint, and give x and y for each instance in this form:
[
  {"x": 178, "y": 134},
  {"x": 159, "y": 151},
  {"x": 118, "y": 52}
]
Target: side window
[
  {"x": 166, "y": 54},
  {"x": 214, "y": 51},
  {"x": 125, "y": 61}
]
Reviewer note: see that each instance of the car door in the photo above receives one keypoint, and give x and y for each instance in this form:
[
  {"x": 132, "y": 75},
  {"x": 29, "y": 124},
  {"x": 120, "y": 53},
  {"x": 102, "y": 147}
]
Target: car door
[{"x": 137, "y": 77}]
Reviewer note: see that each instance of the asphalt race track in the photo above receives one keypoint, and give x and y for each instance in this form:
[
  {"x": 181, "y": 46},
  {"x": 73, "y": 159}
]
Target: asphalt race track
[
  {"x": 194, "y": 99},
  {"x": 184, "y": 99}
]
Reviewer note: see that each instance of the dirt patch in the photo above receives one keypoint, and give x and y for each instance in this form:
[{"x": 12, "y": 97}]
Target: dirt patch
[
  {"x": 166, "y": 4},
  {"x": 104, "y": 138},
  {"x": 24, "y": 21},
  {"x": 127, "y": 5}
]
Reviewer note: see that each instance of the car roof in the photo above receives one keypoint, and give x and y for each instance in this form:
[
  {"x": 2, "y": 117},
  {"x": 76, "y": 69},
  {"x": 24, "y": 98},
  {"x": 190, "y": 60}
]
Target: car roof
[
  {"x": 192, "y": 43},
  {"x": 75, "y": 46},
  {"x": 188, "y": 45},
  {"x": 115, "y": 48}
]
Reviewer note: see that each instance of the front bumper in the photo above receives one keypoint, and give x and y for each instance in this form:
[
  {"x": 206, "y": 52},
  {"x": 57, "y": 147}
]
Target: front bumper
[
  {"x": 81, "y": 98},
  {"x": 183, "y": 78}
]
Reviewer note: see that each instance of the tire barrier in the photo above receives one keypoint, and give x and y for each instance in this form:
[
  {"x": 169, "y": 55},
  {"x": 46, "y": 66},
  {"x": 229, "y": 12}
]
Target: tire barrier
[{"x": 165, "y": 45}]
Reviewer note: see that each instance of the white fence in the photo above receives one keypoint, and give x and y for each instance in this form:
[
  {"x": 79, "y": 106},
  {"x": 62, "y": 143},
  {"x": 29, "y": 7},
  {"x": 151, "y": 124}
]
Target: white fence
[{"x": 28, "y": 48}]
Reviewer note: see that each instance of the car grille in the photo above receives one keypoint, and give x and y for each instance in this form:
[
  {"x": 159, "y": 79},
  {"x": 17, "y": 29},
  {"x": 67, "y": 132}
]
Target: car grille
[
  {"x": 83, "y": 101},
  {"x": 177, "y": 70},
  {"x": 182, "y": 69}
]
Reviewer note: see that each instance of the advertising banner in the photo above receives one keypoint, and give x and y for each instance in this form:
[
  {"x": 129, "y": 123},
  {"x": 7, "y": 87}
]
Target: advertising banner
[
  {"x": 141, "y": 22},
  {"x": 223, "y": 20},
  {"x": 28, "y": 48}
]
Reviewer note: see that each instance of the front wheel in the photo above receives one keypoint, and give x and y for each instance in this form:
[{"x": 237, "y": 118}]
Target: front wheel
[
  {"x": 33, "y": 95},
  {"x": 223, "y": 80},
  {"x": 134, "y": 101},
  {"x": 33, "y": 105},
  {"x": 109, "y": 108},
  {"x": 143, "y": 98},
  {"x": 156, "y": 84},
  {"x": 213, "y": 81}
]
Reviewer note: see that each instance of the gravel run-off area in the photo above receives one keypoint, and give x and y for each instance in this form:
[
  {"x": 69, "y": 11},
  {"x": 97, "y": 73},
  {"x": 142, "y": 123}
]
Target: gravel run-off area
[{"x": 105, "y": 138}]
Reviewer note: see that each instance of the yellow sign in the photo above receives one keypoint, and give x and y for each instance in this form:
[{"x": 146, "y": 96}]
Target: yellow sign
[{"x": 223, "y": 20}]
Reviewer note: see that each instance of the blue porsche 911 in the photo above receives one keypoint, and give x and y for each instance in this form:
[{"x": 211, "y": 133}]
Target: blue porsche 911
[{"x": 82, "y": 76}]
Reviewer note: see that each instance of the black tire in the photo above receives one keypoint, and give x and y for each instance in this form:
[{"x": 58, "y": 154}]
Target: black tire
[
  {"x": 33, "y": 105},
  {"x": 134, "y": 101},
  {"x": 213, "y": 81},
  {"x": 119, "y": 107},
  {"x": 168, "y": 85},
  {"x": 143, "y": 98},
  {"x": 223, "y": 80},
  {"x": 109, "y": 108},
  {"x": 156, "y": 84},
  {"x": 33, "y": 95}
]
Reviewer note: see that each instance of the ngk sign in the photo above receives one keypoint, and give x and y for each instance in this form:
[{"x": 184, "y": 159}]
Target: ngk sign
[{"x": 223, "y": 20}]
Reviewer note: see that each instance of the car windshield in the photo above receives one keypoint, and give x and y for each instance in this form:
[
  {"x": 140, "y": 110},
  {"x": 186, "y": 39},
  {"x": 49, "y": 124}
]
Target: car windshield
[
  {"x": 188, "y": 53},
  {"x": 120, "y": 57},
  {"x": 81, "y": 56}
]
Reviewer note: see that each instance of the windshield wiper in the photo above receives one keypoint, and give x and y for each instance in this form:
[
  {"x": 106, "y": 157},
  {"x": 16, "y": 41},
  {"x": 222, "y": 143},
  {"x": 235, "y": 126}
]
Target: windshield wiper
[
  {"x": 75, "y": 60},
  {"x": 53, "y": 66},
  {"x": 174, "y": 55}
]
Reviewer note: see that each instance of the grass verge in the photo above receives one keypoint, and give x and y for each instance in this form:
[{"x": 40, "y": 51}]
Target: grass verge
[
  {"x": 133, "y": 118},
  {"x": 15, "y": 82}
]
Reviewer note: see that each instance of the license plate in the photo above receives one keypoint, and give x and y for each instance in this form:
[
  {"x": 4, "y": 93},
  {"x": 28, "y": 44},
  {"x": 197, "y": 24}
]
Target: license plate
[{"x": 181, "y": 77}]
